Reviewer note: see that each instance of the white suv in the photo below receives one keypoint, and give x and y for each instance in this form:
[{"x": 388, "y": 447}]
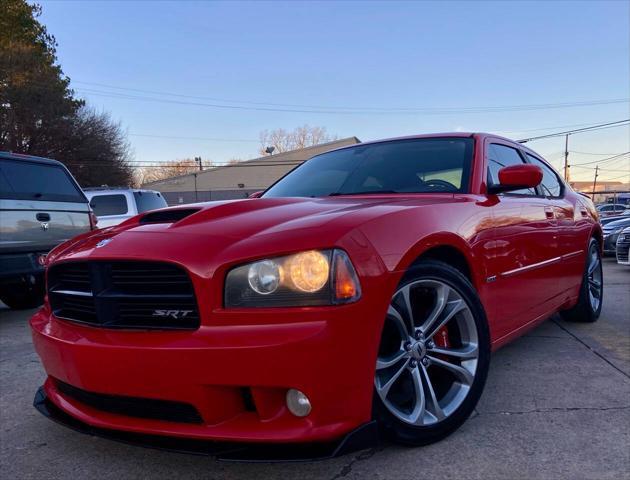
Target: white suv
[{"x": 114, "y": 205}]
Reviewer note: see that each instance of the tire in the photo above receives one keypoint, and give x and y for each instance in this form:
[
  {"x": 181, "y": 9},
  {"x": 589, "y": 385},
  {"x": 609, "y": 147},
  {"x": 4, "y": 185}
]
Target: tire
[
  {"x": 424, "y": 374},
  {"x": 585, "y": 310},
  {"x": 25, "y": 294}
]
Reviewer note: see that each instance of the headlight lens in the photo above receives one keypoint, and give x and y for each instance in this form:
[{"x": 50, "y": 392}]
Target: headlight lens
[
  {"x": 308, "y": 271},
  {"x": 314, "y": 277},
  {"x": 264, "y": 277}
]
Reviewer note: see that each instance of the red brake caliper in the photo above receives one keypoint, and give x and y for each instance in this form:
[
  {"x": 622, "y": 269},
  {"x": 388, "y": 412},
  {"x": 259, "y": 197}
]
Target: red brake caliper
[{"x": 441, "y": 338}]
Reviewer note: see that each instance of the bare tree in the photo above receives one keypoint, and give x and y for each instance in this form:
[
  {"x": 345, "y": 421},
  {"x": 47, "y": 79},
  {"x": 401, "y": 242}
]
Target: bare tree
[
  {"x": 168, "y": 170},
  {"x": 95, "y": 149},
  {"x": 301, "y": 137}
]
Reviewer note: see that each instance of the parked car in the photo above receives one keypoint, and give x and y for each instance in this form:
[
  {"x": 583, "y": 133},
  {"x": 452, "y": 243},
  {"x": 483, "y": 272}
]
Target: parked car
[
  {"x": 623, "y": 247},
  {"x": 606, "y": 220},
  {"x": 366, "y": 288},
  {"x": 611, "y": 232},
  {"x": 41, "y": 206},
  {"x": 612, "y": 209},
  {"x": 115, "y": 205}
]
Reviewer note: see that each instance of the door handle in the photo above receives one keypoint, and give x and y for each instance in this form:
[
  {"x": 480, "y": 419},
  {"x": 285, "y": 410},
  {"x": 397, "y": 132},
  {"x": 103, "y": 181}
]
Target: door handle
[
  {"x": 43, "y": 217},
  {"x": 549, "y": 213}
]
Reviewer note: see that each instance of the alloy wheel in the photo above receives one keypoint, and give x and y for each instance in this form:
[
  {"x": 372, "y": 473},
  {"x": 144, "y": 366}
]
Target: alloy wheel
[
  {"x": 428, "y": 354},
  {"x": 594, "y": 276}
]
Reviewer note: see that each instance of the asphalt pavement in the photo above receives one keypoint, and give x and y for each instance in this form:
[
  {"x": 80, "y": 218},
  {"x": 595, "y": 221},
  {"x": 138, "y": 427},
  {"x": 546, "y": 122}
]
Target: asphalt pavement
[{"x": 556, "y": 405}]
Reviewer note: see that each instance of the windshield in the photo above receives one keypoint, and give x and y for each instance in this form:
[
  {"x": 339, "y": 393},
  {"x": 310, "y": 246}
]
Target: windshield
[
  {"x": 149, "y": 201},
  {"x": 425, "y": 165}
]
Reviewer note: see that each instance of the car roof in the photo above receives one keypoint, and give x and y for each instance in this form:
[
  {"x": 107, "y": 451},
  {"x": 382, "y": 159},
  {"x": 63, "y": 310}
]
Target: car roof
[
  {"x": 477, "y": 135},
  {"x": 99, "y": 190},
  {"x": 619, "y": 223},
  {"x": 29, "y": 158}
]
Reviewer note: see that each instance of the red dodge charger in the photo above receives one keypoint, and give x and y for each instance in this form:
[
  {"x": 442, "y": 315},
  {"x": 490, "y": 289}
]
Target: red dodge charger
[{"x": 363, "y": 292}]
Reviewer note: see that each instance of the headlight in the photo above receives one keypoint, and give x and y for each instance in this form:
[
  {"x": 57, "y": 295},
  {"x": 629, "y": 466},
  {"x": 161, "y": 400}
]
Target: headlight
[{"x": 314, "y": 277}]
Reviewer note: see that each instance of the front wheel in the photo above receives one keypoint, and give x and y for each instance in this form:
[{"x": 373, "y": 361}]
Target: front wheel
[
  {"x": 26, "y": 293},
  {"x": 433, "y": 357}
]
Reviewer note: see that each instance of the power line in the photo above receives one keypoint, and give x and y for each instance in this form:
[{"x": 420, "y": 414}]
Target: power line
[
  {"x": 545, "y": 128},
  {"x": 338, "y": 107},
  {"x": 600, "y": 126},
  {"x": 601, "y": 169},
  {"x": 357, "y": 110},
  {"x": 590, "y": 153},
  {"x": 173, "y": 137},
  {"x": 621, "y": 176},
  {"x": 619, "y": 155}
]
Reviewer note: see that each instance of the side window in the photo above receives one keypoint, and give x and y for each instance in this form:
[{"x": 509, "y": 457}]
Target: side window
[
  {"x": 24, "y": 180},
  {"x": 500, "y": 156},
  {"x": 104, "y": 205},
  {"x": 550, "y": 184}
]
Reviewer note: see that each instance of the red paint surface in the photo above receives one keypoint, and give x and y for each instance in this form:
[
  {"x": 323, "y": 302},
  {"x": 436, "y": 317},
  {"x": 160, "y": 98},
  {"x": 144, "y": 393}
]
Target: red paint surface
[{"x": 535, "y": 258}]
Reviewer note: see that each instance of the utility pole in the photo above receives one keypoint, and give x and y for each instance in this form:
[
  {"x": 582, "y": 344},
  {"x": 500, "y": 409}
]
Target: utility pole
[
  {"x": 566, "y": 158},
  {"x": 595, "y": 181}
]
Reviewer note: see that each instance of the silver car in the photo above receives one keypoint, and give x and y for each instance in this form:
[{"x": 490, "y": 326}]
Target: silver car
[
  {"x": 623, "y": 247},
  {"x": 41, "y": 206},
  {"x": 611, "y": 232},
  {"x": 115, "y": 205}
]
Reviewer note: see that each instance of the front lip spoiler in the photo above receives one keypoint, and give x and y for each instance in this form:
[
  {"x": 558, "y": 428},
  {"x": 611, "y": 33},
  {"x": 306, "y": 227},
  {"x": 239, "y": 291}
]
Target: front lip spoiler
[{"x": 361, "y": 438}]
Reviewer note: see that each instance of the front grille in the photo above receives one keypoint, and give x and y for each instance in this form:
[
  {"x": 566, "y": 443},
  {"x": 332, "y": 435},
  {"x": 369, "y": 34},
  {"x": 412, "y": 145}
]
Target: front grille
[
  {"x": 623, "y": 244},
  {"x": 165, "y": 410},
  {"x": 123, "y": 294}
]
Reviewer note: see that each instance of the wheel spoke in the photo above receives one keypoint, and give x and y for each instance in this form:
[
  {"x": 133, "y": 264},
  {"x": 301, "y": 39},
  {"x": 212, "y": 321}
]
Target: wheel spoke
[
  {"x": 417, "y": 414},
  {"x": 384, "y": 389},
  {"x": 406, "y": 294},
  {"x": 466, "y": 353},
  {"x": 448, "y": 312},
  {"x": 400, "y": 322},
  {"x": 382, "y": 363},
  {"x": 441, "y": 300},
  {"x": 594, "y": 283},
  {"x": 435, "y": 408},
  {"x": 463, "y": 375}
]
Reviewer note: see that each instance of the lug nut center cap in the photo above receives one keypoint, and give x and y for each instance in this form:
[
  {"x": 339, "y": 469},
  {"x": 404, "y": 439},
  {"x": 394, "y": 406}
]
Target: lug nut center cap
[{"x": 418, "y": 350}]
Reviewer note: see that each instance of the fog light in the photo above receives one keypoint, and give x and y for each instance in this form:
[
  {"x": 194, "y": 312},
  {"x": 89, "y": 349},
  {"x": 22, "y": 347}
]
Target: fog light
[{"x": 298, "y": 403}]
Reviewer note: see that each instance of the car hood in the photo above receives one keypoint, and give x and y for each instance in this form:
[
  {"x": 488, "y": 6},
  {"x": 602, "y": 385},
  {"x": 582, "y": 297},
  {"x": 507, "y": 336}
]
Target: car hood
[{"x": 241, "y": 228}]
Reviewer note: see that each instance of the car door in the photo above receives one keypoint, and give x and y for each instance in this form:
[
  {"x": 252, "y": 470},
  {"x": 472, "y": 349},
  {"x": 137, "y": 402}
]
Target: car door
[
  {"x": 573, "y": 227},
  {"x": 524, "y": 258}
]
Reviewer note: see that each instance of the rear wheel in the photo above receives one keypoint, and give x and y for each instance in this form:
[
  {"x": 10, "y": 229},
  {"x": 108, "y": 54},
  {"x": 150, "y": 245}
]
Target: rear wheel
[
  {"x": 589, "y": 305},
  {"x": 434, "y": 355},
  {"x": 28, "y": 292}
]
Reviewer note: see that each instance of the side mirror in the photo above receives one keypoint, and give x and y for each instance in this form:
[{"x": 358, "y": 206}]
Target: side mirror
[
  {"x": 517, "y": 177},
  {"x": 257, "y": 194}
]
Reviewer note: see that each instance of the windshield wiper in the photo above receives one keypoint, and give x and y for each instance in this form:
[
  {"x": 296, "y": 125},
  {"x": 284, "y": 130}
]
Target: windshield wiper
[{"x": 366, "y": 192}]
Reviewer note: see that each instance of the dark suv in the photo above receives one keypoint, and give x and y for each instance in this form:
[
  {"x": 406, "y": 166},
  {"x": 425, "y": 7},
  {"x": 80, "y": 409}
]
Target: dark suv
[{"x": 41, "y": 205}]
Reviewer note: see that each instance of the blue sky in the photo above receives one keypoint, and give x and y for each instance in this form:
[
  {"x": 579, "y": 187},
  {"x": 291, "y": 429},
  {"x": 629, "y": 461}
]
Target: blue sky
[{"x": 454, "y": 55}]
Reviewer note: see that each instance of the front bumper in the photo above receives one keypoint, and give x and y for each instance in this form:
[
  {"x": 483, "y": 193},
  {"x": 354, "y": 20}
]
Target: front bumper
[
  {"x": 235, "y": 377},
  {"x": 16, "y": 265},
  {"x": 365, "y": 436}
]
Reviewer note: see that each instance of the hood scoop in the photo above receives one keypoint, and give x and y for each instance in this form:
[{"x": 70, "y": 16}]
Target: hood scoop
[{"x": 167, "y": 216}]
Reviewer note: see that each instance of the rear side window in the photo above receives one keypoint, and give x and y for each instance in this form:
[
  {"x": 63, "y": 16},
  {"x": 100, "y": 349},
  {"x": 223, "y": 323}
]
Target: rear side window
[
  {"x": 104, "y": 205},
  {"x": 500, "y": 156},
  {"x": 149, "y": 201},
  {"x": 550, "y": 184},
  {"x": 24, "y": 180}
]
